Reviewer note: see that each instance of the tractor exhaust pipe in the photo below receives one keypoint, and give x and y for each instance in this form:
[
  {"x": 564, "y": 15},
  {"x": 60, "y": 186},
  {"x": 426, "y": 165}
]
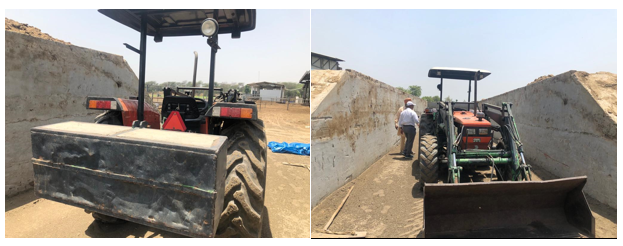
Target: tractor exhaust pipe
[
  {"x": 476, "y": 92},
  {"x": 195, "y": 74},
  {"x": 213, "y": 42},
  {"x": 532, "y": 209}
]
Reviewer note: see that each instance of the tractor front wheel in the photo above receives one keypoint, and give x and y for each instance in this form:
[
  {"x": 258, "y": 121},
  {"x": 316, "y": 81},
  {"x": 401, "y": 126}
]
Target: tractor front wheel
[
  {"x": 246, "y": 179},
  {"x": 426, "y": 125},
  {"x": 429, "y": 159}
]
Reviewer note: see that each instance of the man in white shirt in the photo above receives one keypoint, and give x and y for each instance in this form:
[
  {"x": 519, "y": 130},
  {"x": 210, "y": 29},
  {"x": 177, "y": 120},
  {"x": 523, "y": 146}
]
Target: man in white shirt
[
  {"x": 399, "y": 130},
  {"x": 407, "y": 122}
]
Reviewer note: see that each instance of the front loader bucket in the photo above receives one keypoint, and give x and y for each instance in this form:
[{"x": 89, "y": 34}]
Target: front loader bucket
[
  {"x": 169, "y": 180},
  {"x": 527, "y": 209}
]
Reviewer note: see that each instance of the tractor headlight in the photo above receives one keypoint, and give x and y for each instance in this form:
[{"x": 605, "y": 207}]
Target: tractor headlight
[
  {"x": 209, "y": 27},
  {"x": 471, "y": 131},
  {"x": 484, "y": 131}
]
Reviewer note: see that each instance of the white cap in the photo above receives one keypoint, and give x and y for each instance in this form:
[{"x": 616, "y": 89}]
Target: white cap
[{"x": 409, "y": 103}]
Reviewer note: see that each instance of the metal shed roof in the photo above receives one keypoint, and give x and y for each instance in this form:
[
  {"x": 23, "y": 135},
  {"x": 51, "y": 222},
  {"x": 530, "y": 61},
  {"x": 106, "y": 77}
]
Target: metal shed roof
[
  {"x": 263, "y": 85},
  {"x": 305, "y": 78},
  {"x": 327, "y": 57}
]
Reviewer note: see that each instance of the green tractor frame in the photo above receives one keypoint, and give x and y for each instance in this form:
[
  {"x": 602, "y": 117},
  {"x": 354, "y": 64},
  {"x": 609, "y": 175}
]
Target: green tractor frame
[{"x": 456, "y": 137}]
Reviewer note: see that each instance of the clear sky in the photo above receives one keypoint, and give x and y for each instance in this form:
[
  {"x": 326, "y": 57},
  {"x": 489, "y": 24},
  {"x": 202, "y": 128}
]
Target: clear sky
[
  {"x": 278, "y": 48},
  {"x": 398, "y": 47}
]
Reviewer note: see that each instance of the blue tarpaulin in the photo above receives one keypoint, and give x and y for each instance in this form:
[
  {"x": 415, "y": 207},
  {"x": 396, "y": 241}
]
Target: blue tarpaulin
[{"x": 293, "y": 148}]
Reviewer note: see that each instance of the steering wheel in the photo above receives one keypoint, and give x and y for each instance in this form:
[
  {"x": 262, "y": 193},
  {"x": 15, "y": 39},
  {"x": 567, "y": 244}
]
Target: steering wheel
[{"x": 204, "y": 103}]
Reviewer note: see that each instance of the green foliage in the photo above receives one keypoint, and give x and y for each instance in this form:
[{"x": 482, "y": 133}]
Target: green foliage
[
  {"x": 415, "y": 90},
  {"x": 402, "y": 89},
  {"x": 447, "y": 99},
  {"x": 431, "y": 99},
  {"x": 292, "y": 89}
]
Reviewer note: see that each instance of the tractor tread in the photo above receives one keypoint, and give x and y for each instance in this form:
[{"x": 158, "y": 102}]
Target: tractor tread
[
  {"x": 428, "y": 159},
  {"x": 246, "y": 179}
]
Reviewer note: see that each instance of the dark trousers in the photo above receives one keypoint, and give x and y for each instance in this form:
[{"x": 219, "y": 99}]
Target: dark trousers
[{"x": 409, "y": 132}]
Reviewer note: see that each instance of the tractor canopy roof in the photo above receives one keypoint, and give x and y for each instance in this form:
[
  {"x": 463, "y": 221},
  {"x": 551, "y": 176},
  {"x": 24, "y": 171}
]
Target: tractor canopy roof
[
  {"x": 457, "y": 73},
  {"x": 184, "y": 22}
]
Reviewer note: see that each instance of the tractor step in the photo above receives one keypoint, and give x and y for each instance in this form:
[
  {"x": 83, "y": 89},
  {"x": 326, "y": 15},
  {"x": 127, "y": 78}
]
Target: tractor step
[
  {"x": 169, "y": 180},
  {"x": 507, "y": 209}
]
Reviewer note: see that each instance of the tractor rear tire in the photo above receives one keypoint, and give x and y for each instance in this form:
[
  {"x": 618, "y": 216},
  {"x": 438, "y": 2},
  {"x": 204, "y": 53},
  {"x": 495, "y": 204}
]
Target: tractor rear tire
[
  {"x": 429, "y": 159},
  {"x": 246, "y": 179},
  {"x": 109, "y": 117}
]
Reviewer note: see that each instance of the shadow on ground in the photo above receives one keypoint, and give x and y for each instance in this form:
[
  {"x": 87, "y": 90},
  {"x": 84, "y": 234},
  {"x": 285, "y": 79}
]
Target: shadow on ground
[
  {"x": 128, "y": 229},
  {"x": 19, "y": 200}
]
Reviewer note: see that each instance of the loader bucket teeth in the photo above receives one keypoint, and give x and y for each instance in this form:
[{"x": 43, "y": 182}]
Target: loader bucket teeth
[{"x": 534, "y": 209}]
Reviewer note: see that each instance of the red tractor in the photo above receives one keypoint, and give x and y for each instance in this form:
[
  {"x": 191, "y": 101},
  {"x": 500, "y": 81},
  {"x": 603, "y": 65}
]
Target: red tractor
[{"x": 203, "y": 174}]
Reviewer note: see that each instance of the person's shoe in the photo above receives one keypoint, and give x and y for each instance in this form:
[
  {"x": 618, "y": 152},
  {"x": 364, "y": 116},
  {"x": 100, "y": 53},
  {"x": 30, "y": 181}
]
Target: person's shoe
[{"x": 409, "y": 156}]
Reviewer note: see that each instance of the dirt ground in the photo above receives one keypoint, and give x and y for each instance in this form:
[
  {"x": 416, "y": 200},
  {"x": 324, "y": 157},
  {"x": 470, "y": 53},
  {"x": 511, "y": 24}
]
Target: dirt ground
[
  {"x": 287, "y": 194},
  {"x": 387, "y": 202}
]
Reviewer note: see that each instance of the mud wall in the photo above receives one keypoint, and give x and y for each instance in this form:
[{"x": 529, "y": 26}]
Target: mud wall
[
  {"x": 352, "y": 122},
  {"x": 568, "y": 125},
  {"x": 47, "y": 82}
]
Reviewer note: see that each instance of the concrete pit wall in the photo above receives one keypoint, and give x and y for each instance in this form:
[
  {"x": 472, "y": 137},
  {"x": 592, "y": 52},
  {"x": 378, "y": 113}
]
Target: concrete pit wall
[
  {"x": 352, "y": 123},
  {"x": 47, "y": 82},
  {"x": 568, "y": 126}
]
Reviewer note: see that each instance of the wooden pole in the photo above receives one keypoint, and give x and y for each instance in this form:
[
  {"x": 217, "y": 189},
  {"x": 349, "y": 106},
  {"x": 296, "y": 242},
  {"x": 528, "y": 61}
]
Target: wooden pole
[{"x": 326, "y": 227}]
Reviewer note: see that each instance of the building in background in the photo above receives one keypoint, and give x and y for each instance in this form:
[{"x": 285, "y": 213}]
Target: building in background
[
  {"x": 323, "y": 62},
  {"x": 266, "y": 91}
]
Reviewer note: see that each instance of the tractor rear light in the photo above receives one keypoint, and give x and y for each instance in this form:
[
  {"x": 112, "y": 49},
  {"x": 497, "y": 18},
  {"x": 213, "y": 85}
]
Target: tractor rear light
[
  {"x": 471, "y": 131},
  {"x": 234, "y": 112},
  {"x": 484, "y": 131},
  {"x": 246, "y": 113},
  {"x": 216, "y": 111},
  {"x": 101, "y": 104},
  {"x": 224, "y": 112}
]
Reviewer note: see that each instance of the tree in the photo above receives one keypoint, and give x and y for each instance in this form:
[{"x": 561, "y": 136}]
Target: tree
[
  {"x": 415, "y": 90},
  {"x": 291, "y": 93},
  {"x": 247, "y": 89},
  {"x": 292, "y": 89},
  {"x": 402, "y": 89},
  {"x": 431, "y": 99},
  {"x": 152, "y": 86},
  {"x": 447, "y": 99}
]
